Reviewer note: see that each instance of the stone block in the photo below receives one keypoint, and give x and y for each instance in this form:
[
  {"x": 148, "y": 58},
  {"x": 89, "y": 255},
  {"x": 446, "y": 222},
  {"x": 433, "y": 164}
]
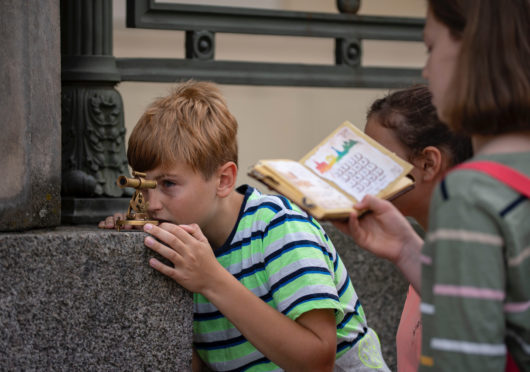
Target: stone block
[{"x": 79, "y": 298}]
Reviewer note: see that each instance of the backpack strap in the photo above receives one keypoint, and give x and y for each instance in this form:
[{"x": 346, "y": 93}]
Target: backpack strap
[
  {"x": 509, "y": 176},
  {"x": 511, "y": 366}
]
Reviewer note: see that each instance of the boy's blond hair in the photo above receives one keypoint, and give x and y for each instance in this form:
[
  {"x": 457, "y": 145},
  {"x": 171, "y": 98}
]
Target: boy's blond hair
[{"x": 192, "y": 124}]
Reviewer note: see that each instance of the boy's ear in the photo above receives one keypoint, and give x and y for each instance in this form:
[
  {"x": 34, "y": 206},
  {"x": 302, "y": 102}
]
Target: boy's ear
[
  {"x": 431, "y": 163},
  {"x": 226, "y": 178}
]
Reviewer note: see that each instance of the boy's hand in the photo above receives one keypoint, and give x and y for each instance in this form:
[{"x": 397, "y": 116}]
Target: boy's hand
[
  {"x": 110, "y": 222},
  {"x": 195, "y": 265}
]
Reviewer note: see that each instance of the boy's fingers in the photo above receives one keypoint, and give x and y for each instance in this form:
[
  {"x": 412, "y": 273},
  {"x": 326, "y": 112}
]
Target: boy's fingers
[
  {"x": 164, "y": 269},
  {"x": 195, "y": 231},
  {"x": 107, "y": 223},
  {"x": 186, "y": 234},
  {"x": 166, "y": 233},
  {"x": 162, "y": 249}
]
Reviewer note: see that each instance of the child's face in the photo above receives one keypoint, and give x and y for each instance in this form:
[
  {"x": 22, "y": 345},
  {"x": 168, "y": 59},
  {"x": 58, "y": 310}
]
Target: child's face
[
  {"x": 441, "y": 63},
  {"x": 182, "y": 196},
  {"x": 409, "y": 203}
]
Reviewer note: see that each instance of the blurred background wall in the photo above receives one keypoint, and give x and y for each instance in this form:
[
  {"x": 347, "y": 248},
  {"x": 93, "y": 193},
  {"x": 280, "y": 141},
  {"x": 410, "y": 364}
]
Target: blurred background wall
[{"x": 274, "y": 122}]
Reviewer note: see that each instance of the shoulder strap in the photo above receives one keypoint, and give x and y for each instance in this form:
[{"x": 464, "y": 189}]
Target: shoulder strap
[{"x": 509, "y": 176}]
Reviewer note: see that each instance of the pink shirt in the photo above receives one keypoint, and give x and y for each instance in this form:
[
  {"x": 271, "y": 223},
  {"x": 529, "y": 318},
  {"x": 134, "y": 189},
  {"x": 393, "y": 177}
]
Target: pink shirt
[{"x": 408, "y": 338}]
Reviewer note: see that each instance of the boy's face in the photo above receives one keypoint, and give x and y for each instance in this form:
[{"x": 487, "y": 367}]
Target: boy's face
[{"x": 182, "y": 196}]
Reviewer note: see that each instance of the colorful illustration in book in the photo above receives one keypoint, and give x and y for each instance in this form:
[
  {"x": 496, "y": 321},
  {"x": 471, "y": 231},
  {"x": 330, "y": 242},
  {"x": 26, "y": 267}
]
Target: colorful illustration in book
[
  {"x": 324, "y": 166},
  {"x": 355, "y": 166}
]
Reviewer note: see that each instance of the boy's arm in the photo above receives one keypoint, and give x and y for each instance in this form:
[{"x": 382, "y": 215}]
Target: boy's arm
[{"x": 307, "y": 344}]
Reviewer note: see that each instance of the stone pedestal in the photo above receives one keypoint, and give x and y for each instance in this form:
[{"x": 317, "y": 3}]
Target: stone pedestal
[
  {"x": 86, "y": 299},
  {"x": 81, "y": 298}
]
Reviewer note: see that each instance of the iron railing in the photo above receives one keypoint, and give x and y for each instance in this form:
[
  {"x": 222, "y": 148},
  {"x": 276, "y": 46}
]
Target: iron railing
[{"x": 202, "y": 23}]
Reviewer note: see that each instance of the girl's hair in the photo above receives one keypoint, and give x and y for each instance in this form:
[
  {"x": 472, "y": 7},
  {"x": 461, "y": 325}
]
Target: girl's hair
[
  {"x": 412, "y": 117},
  {"x": 491, "y": 88},
  {"x": 192, "y": 125}
]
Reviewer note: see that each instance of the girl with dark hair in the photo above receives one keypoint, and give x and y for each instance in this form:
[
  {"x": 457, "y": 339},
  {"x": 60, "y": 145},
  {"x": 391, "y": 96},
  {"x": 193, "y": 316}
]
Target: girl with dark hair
[{"x": 405, "y": 122}]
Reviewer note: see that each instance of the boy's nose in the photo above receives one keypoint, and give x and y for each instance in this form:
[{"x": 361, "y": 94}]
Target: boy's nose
[{"x": 152, "y": 200}]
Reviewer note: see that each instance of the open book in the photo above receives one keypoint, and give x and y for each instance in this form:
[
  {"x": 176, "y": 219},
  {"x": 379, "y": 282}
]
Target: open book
[{"x": 337, "y": 173}]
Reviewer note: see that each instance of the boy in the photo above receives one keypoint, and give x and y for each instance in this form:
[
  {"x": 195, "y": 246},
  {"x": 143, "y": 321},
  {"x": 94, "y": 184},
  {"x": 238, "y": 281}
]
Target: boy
[{"x": 270, "y": 291}]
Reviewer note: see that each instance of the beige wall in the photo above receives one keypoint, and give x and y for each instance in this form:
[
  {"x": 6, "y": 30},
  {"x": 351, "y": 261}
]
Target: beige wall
[{"x": 274, "y": 122}]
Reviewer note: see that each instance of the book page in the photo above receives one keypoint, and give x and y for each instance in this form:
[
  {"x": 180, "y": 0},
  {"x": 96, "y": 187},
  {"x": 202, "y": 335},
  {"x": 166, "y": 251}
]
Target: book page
[
  {"x": 353, "y": 164},
  {"x": 314, "y": 188}
]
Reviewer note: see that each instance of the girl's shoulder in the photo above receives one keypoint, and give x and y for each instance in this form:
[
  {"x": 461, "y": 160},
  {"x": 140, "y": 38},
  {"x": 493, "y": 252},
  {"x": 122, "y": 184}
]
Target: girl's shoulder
[
  {"x": 519, "y": 162},
  {"x": 475, "y": 186}
]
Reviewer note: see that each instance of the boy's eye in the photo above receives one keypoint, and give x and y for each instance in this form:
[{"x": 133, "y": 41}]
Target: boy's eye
[{"x": 166, "y": 183}]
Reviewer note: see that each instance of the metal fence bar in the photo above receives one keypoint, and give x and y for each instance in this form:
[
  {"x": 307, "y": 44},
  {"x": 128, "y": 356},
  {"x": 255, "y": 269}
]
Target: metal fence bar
[
  {"x": 148, "y": 14},
  {"x": 202, "y": 22},
  {"x": 272, "y": 74}
]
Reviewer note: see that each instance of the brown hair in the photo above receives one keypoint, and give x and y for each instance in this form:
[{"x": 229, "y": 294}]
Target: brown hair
[
  {"x": 191, "y": 124},
  {"x": 491, "y": 88},
  {"x": 412, "y": 117}
]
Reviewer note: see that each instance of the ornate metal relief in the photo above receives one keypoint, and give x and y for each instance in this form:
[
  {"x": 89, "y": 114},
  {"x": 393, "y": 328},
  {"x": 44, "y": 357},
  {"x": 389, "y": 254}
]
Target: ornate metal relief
[{"x": 93, "y": 135}]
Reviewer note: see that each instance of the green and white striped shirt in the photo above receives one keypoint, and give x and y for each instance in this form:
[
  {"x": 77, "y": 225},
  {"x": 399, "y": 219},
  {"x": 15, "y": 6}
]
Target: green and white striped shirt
[{"x": 285, "y": 258}]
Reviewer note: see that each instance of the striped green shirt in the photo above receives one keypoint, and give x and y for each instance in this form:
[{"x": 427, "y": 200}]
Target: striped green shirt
[
  {"x": 285, "y": 258},
  {"x": 475, "y": 273}
]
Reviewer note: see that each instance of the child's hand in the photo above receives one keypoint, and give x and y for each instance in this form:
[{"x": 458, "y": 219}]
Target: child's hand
[
  {"x": 384, "y": 231},
  {"x": 110, "y": 222},
  {"x": 195, "y": 265}
]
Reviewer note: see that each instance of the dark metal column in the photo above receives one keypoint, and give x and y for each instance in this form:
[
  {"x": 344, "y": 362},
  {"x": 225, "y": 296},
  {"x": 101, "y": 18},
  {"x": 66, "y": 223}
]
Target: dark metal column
[{"x": 93, "y": 130}]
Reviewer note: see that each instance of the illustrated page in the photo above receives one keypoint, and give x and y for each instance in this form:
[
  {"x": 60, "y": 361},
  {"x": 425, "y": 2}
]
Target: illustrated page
[
  {"x": 310, "y": 185},
  {"x": 354, "y": 165}
]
